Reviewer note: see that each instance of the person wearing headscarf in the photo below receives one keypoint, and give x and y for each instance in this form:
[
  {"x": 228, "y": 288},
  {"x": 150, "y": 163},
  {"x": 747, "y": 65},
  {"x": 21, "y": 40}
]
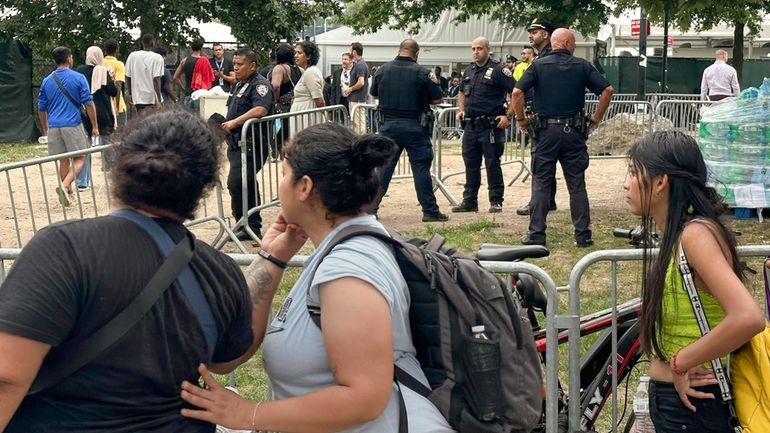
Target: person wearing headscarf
[{"x": 102, "y": 88}]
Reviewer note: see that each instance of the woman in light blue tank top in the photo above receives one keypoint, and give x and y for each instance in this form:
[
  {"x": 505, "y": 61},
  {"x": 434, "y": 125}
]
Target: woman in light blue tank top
[
  {"x": 666, "y": 184},
  {"x": 337, "y": 376}
]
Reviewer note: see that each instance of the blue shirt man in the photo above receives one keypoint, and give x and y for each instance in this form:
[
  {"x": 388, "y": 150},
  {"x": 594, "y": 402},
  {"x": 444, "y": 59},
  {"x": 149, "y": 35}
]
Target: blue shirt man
[{"x": 61, "y": 95}]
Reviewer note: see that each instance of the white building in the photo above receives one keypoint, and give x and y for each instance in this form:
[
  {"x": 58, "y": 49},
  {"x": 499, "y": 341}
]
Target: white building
[{"x": 442, "y": 43}]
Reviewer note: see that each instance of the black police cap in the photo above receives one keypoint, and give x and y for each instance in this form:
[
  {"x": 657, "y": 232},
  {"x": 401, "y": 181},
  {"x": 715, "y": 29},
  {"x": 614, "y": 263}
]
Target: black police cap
[{"x": 541, "y": 23}]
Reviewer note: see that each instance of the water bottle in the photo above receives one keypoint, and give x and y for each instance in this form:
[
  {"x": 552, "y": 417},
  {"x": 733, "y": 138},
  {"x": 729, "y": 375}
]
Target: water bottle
[
  {"x": 642, "y": 407},
  {"x": 713, "y": 149},
  {"x": 478, "y": 332}
]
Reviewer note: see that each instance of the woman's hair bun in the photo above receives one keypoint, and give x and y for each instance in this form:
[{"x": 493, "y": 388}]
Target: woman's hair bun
[{"x": 371, "y": 151}]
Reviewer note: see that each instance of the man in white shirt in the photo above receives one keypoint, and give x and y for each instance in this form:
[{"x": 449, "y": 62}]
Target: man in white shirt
[
  {"x": 144, "y": 70},
  {"x": 719, "y": 80}
]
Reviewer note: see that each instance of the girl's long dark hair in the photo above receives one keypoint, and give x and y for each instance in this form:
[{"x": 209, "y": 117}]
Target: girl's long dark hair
[{"x": 675, "y": 154}]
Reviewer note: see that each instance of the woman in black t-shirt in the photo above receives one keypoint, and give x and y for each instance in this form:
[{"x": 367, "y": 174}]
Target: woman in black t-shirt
[{"x": 74, "y": 277}]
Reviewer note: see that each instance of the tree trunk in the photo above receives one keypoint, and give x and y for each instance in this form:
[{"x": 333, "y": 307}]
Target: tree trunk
[{"x": 738, "y": 48}]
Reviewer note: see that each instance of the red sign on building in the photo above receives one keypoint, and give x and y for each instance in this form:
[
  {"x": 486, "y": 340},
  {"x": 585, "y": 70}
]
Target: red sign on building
[{"x": 635, "y": 27}]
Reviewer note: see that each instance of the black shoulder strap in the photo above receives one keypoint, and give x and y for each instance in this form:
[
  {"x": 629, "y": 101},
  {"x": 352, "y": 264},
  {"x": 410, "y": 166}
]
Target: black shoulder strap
[
  {"x": 64, "y": 90},
  {"x": 75, "y": 356},
  {"x": 189, "y": 283},
  {"x": 345, "y": 234},
  {"x": 400, "y": 376}
]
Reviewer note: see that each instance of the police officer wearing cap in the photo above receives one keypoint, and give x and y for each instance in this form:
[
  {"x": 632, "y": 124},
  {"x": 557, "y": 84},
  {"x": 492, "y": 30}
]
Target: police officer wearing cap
[
  {"x": 251, "y": 98},
  {"x": 405, "y": 89},
  {"x": 560, "y": 80},
  {"x": 540, "y": 31},
  {"x": 480, "y": 107}
]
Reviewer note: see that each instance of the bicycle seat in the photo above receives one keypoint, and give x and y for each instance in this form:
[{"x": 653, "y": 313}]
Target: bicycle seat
[{"x": 510, "y": 253}]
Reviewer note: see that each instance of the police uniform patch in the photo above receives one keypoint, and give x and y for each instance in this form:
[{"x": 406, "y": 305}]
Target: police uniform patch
[
  {"x": 262, "y": 90},
  {"x": 432, "y": 77},
  {"x": 507, "y": 72}
]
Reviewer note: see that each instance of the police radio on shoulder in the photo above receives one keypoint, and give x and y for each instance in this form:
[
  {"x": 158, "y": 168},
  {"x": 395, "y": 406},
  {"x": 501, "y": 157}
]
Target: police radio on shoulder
[{"x": 270, "y": 258}]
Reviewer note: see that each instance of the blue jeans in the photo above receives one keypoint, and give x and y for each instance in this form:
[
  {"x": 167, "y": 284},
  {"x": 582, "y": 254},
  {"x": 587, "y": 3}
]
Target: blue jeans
[
  {"x": 84, "y": 177},
  {"x": 670, "y": 415},
  {"x": 83, "y": 180}
]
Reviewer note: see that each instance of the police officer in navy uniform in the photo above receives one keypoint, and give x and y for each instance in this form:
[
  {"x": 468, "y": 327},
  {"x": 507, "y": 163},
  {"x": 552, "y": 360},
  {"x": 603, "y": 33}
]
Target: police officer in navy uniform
[
  {"x": 480, "y": 107},
  {"x": 251, "y": 98},
  {"x": 540, "y": 31},
  {"x": 405, "y": 90},
  {"x": 560, "y": 80}
]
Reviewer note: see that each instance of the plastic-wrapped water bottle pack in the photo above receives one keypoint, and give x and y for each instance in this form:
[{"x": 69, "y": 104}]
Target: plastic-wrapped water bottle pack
[{"x": 734, "y": 138}]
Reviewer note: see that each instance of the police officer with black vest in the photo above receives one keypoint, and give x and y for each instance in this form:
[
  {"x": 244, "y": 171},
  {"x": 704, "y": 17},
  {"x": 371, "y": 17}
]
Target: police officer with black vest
[
  {"x": 405, "y": 89},
  {"x": 560, "y": 128},
  {"x": 481, "y": 112},
  {"x": 540, "y": 31},
  {"x": 251, "y": 98}
]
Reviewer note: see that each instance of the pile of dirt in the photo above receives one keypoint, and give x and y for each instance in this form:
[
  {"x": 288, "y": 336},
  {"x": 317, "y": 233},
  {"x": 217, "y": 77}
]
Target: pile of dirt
[{"x": 616, "y": 135}]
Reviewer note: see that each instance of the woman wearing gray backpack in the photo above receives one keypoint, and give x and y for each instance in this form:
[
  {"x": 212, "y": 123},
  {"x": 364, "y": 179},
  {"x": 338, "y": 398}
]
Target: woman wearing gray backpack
[{"x": 336, "y": 375}]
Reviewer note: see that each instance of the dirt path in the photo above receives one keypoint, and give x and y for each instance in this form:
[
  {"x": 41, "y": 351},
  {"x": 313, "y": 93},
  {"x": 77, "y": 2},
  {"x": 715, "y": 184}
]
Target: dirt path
[{"x": 31, "y": 194}]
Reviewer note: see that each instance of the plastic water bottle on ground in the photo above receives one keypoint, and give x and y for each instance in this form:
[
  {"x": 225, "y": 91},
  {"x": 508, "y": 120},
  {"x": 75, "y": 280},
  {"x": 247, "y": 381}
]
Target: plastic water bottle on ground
[{"x": 642, "y": 407}]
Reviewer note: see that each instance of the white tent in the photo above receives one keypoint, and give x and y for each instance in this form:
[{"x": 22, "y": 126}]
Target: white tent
[{"x": 442, "y": 43}]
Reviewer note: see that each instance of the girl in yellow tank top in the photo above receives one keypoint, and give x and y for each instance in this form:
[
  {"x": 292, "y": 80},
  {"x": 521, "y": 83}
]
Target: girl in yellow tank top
[{"x": 666, "y": 185}]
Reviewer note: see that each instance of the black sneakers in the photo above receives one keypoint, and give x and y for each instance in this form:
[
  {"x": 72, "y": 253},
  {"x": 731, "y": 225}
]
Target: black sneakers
[
  {"x": 466, "y": 207},
  {"x": 496, "y": 208},
  {"x": 584, "y": 243},
  {"x": 526, "y": 240},
  {"x": 524, "y": 211},
  {"x": 433, "y": 218}
]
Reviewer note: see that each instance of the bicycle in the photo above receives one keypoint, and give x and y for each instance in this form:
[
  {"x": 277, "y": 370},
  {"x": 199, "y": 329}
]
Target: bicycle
[{"x": 596, "y": 364}]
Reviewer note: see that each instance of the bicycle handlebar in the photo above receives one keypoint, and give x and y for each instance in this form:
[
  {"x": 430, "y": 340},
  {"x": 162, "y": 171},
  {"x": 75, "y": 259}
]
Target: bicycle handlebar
[
  {"x": 621, "y": 233},
  {"x": 637, "y": 237}
]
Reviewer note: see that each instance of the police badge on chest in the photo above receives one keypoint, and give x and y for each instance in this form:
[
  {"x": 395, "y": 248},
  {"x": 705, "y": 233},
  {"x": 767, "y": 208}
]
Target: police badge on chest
[{"x": 488, "y": 74}]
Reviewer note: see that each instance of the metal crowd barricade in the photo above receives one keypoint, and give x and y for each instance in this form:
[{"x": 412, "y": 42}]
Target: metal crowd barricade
[
  {"x": 576, "y": 275},
  {"x": 624, "y": 123},
  {"x": 30, "y": 187},
  {"x": 679, "y": 114},
  {"x": 513, "y": 152},
  {"x": 450, "y": 100},
  {"x": 507, "y": 268},
  {"x": 403, "y": 168},
  {"x": 260, "y": 143},
  {"x": 652, "y": 98}
]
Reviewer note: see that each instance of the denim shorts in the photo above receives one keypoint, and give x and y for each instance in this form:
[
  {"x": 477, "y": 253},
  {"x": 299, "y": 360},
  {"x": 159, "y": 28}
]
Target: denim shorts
[{"x": 670, "y": 415}]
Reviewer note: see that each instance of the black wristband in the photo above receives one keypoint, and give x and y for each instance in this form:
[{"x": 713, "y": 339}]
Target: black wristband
[{"x": 270, "y": 258}]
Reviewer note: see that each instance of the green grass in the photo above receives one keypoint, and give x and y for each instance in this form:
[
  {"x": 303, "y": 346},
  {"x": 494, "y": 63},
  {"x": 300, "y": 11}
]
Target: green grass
[{"x": 13, "y": 152}]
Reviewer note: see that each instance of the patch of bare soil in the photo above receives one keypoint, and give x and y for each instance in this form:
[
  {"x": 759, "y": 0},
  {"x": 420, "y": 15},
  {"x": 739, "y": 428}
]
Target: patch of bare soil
[{"x": 28, "y": 199}]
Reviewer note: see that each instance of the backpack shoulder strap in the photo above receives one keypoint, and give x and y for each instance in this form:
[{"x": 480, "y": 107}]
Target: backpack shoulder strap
[
  {"x": 75, "y": 355},
  {"x": 342, "y": 236},
  {"x": 64, "y": 90},
  {"x": 189, "y": 283},
  {"x": 400, "y": 376}
]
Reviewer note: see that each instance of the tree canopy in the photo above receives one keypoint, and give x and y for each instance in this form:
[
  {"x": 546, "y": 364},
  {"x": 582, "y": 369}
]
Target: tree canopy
[
  {"x": 262, "y": 23},
  {"x": 45, "y": 24},
  {"x": 585, "y": 16}
]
